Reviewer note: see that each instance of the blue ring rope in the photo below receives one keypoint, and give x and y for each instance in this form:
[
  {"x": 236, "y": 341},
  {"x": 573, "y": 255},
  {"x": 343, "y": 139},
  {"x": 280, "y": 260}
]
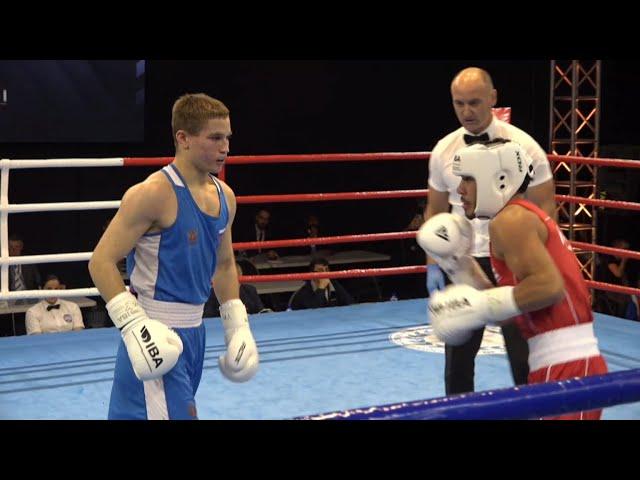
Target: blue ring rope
[{"x": 522, "y": 402}]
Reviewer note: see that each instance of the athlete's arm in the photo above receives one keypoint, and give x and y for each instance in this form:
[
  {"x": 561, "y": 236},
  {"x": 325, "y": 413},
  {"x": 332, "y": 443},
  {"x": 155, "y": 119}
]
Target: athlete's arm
[
  {"x": 518, "y": 237},
  {"x": 225, "y": 280},
  {"x": 141, "y": 208},
  {"x": 240, "y": 361}
]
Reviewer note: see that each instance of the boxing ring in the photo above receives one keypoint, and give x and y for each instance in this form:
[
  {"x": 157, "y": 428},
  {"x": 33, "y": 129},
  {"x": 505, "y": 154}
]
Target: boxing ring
[{"x": 372, "y": 360}]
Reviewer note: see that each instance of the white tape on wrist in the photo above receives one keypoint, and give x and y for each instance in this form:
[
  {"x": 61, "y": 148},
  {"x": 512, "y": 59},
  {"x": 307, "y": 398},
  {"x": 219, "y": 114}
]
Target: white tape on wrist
[
  {"x": 233, "y": 314},
  {"x": 123, "y": 308},
  {"x": 502, "y": 303}
]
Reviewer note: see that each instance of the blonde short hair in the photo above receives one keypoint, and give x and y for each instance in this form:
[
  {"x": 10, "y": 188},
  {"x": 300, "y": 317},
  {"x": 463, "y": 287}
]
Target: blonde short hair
[{"x": 192, "y": 111}]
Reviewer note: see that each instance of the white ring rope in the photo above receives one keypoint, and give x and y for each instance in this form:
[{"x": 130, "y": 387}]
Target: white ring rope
[
  {"x": 4, "y": 226},
  {"x": 61, "y": 206},
  {"x": 5, "y": 208},
  {"x": 51, "y": 258},
  {"x": 61, "y": 163},
  {"x": 73, "y": 292}
]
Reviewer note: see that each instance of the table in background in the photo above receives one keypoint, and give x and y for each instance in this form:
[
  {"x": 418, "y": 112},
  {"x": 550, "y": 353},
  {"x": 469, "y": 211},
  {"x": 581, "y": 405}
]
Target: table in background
[{"x": 339, "y": 258}]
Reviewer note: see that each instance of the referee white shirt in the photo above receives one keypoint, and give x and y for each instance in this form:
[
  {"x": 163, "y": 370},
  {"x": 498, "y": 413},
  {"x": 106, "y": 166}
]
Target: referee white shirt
[
  {"x": 441, "y": 176},
  {"x": 64, "y": 318}
]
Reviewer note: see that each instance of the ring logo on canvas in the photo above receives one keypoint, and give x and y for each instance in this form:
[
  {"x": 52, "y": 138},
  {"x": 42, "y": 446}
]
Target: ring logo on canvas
[{"x": 423, "y": 339}]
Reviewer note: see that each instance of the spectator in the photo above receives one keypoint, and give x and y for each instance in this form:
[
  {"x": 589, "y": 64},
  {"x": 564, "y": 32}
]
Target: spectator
[
  {"x": 613, "y": 269},
  {"x": 418, "y": 219},
  {"x": 411, "y": 253},
  {"x": 21, "y": 277},
  {"x": 260, "y": 231},
  {"x": 313, "y": 229},
  {"x": 248, "y": 295},
  {"x": 408, "y": 253},
  {"x": 52, "y": 314},
  {"x": 320, "y": 292}
]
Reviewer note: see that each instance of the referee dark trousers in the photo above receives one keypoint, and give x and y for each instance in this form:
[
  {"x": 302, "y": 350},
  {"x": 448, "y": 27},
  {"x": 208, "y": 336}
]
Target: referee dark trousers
[{"x": 459, "y": 367}]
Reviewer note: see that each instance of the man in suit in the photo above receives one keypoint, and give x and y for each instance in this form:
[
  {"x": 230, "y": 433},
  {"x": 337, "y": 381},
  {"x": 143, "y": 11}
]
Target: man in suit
[
  {"x": 259, "y": 231},
  {"x": 21, "y": 277}
]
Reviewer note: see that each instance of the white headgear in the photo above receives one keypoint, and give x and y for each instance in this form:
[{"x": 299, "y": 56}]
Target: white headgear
[{"x": 498, "y": 169}]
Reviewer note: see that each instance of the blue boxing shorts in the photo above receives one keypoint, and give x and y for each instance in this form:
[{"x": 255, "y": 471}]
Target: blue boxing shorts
[{"x": 170, "y": 397}]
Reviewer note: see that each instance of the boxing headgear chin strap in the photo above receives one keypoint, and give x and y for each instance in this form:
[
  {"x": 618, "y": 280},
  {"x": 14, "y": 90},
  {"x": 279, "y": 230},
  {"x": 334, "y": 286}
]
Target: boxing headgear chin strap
[{"x": 498, "y": 169}]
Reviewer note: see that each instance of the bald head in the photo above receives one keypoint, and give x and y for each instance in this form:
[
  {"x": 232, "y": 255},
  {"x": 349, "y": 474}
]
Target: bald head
[
  {"x": 473, "y": 98},
  {"x": 472, "y": 76}
]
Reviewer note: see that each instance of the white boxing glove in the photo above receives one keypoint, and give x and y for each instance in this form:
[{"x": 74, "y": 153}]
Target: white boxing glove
[
  {"x": 460, "y": 309},
  {"x": 240, "y": 362},
  {"x": 153, "y": 347},
  {"x": 445, "y": 235},
  {"x": 448, "y": 238}
]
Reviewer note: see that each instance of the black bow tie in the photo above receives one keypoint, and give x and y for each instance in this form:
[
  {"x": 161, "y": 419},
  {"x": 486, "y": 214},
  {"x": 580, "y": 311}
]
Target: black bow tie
[
  {"x": 51, "y": 307},
  {"x": 471, "y": 139}
]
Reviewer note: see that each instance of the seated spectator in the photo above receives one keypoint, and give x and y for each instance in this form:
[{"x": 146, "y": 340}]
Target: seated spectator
[
  {"x": 613, "y": 270},
  {"x": 21, "y": 277},
  {"x": 312, "y": 230},
  {"x": 248, "y": 295},
  {"x": 408, "y": 253},
  {"x": 320, "y": 292},
  {"x": 418, "y": 218},
  {"x": 259, "y": 231},
  {"x": 412, "y": 254},
  {"x": 52, "y": 314}
]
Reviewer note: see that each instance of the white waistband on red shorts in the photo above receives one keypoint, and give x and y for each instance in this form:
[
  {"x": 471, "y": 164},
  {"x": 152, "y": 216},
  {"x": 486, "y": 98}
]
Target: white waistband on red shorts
[
  {"x": 172, "y": 314},
  {"x": 562, "y": 345}
]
